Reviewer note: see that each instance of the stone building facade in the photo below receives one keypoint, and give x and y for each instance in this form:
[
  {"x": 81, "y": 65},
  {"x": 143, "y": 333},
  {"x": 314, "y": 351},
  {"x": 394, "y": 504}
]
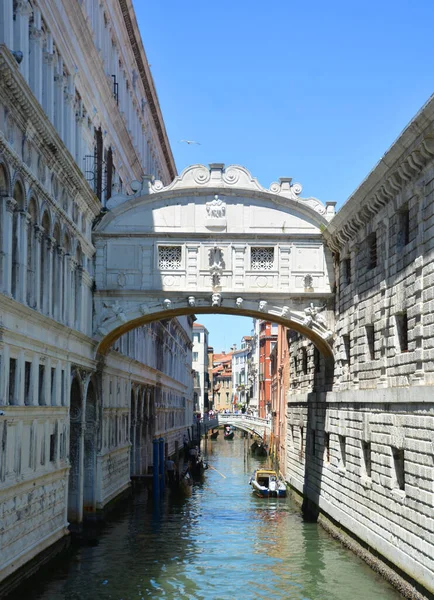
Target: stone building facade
[
  {"x": 200, "y": 367},
  {"x": 360, "y": 440},
  {"x": 79, "y": 116}
]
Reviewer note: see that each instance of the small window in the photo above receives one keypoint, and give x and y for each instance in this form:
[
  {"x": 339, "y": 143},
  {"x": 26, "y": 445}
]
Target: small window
[
  {"x": 12, "y": 372},
  {"x": 53, "y": 386},
  {"x": 403, "y": 227},
  {"x": 262, "y": 259},
  {"x": 366, "y": 451},
  {"x": 370, "y": 340},
  {"x": 327, "y": 447},
  {"x": 169, "y": 257},
  {"x": 398, "y": 463},
  {"x": 304, "y": 360},
  {"x": 301, "y": 449},
  {"x": 52, "y": 447},
  {"x": 27, "y": 382},
  {"x": 346, "y": 270},
  {"x": 343, "y": 456},
  {"x": 41, "y": 385},
  {"x": 372, "y": 251},
  {"x": 402, "y": 330},
  {"x": 195, "y": 356},
  {"x": 295, "y": 365},
  {"x": 347, "y": 348}
]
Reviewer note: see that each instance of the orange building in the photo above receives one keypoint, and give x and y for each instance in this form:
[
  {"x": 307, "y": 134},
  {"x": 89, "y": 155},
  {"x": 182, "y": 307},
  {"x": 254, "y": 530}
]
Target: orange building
[
  {"x": 279, "y": 387},
  {"x": 267, "y": 341}
]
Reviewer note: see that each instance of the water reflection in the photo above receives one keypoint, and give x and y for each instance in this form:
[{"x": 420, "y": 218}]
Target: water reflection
[{"x": 222, "y": 542}]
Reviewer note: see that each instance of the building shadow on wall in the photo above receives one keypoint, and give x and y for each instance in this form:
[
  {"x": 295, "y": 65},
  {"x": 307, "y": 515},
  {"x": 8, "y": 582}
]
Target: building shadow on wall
[{"x": 317, "y": 444}]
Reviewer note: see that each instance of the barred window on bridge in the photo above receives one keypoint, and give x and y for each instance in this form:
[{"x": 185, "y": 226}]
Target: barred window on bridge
[{"x": 169, "y": 257}]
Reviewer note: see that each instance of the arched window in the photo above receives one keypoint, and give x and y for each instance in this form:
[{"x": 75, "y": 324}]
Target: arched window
[
  {"x": 31, "y": 267},
  {"x": 19, "y": 199},
  {"x": 44, "y": 263}
]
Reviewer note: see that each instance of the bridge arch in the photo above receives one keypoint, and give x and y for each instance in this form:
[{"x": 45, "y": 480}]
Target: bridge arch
[{"x": 214, "y": 241}]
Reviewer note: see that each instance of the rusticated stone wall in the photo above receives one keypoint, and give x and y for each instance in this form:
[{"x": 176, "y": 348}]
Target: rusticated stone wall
[{"x": 360, "y": 440}]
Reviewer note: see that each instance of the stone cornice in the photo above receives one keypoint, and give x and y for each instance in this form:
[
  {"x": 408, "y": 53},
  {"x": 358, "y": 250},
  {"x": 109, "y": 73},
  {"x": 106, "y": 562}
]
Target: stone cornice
[
  {"x": 233, "y": 180},
  {"x": 400, "y": 165},
  {"x": 148, "y": 83},
  {"x": 30, "y": 109}
]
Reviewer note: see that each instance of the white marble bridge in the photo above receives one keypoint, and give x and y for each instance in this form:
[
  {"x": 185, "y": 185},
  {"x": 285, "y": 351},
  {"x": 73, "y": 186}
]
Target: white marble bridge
[{"x": 256, "y": 425}]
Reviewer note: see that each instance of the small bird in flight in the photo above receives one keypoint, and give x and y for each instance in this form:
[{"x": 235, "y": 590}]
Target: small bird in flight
[{"x": 189, "y": 142}]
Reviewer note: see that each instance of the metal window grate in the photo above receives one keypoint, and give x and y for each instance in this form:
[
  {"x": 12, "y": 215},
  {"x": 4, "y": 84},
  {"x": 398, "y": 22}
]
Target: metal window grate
[
  {"x": 262, "y": 259},
  {"x": 115, "y": 89},
  {"x": 372, "y": 251},
  {"x": 169, "y": 257}
]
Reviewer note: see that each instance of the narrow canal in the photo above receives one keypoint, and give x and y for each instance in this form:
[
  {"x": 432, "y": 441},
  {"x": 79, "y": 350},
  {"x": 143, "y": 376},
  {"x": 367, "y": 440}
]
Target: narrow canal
[{"x": 220, "y": 543}]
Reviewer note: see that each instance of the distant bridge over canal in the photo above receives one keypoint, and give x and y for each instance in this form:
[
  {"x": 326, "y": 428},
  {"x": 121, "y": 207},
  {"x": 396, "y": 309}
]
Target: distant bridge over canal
[{"x": 248, "y": 423}]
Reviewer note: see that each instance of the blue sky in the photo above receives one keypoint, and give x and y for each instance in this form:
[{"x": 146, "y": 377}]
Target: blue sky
[{"x": 316, "y": 91}]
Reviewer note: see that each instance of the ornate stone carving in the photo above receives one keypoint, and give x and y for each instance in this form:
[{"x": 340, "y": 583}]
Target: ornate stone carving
[
  {"x": 121, "y": 279},
  {"x": 191, "y": 301},
  {"x": 11, "y": 205},
  {"x": 216, "y": 265},
  {"x": 216, "y": 300},
  {"x": 216, "y": 209},
  {"x": 285, "y": 311},
  {"x": 239, "y": 302},
  {"x": 262, "y": 305},
  {"x": 167, "y": 303},
  {"x": 143, "y": 308},
  {"x": 113, "y": 310},
  {"x": 308, "y": 283},
  {"x": 312, "y": 315}
]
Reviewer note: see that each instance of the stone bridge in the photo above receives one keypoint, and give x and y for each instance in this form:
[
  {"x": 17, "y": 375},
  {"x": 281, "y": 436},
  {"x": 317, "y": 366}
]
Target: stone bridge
[
  {"x": 214, "y": 241},
  {"x": 256, "y": 425}
]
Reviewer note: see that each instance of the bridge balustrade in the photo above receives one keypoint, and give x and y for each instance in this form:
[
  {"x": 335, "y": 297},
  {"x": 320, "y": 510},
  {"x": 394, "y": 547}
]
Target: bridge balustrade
[{"x": 245, "y": 422}]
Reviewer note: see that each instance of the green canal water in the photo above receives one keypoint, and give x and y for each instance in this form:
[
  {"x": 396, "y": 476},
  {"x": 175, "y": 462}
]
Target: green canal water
[{"x": 220, "y": 543}]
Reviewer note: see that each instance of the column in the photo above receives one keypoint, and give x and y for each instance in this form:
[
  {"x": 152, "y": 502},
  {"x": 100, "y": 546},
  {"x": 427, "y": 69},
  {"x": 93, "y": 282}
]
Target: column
[
  {"x": 59, "y": 311},
  {"x": 56, "y": 398},
  {"x": 23, "y": 11},
  {"x": 7, "y": 209},
  {"x": 69, "y": 115},
  {"x": 22, "y": 256},
  {"x": 4, "y": 377},
  {"x": 70, "y": 267},
  {"x": 19, "y": 379},
  {"x": 48, "y": 79},
  {"x": 34, "y": 381},
  {"x": 6, "y": 23},
  {"x": 59, "y": 99},
  {"x": 36, "y": 63},
  {"x": 47, "y": 382},
  {"x": 39, "y": 233},
  {"x": 79, "y": 297},
  {"x": 48, "y": 292}
]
